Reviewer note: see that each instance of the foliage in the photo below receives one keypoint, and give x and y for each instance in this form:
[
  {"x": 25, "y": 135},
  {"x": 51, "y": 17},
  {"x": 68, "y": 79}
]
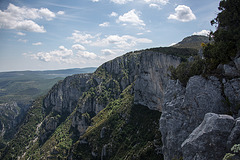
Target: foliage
[
  {"x": 227, "y": 36},
  {"x": 236, "y": 153},
  {"x": 187, "y": 69}
]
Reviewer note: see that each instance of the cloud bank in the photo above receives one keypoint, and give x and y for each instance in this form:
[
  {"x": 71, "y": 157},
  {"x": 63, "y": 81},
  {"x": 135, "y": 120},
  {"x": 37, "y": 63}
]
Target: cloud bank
[{"x": 22, "y": 18}]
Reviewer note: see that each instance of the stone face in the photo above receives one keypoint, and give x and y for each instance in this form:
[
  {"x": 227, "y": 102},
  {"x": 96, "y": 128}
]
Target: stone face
[
  {"x": 185, "y": 108},
  {"x": 61, "y": 100},
  {"x": 232, "y": 92},
  {"x": 230, "y": 71},
  {"x": 234, "y": 137},
  {"x": 237, "y": 63},
  {"x": 152, "y": 79},
  {"x": 10, "y": 116},
  {"x": 64, "y": 95},
  {"x": 208, "y": 140},
  {"x": 150, "y": 72}
]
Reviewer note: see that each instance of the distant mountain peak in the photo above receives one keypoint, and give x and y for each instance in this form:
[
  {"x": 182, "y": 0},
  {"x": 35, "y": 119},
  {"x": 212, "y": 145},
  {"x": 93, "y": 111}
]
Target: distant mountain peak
[{"x": 193, "y": 41}]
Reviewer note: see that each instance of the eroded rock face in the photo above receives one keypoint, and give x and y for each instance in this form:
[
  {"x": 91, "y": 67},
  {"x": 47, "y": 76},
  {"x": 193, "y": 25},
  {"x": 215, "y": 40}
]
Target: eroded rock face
[
  {"x": 232, "y": 92},
  {"x": 150, "y": 72},
  {"x": 61, "y": 100},
  {"x": 153, "y": 78},
  {"x": 64, "y": 96},
  {"x": 208, "y": 140},
  {"x": 185, "y": 108},
  {"x": 9, "y": 119},
  {"x": 234, "y": 137},
  {"x": 147, "y": 70}
]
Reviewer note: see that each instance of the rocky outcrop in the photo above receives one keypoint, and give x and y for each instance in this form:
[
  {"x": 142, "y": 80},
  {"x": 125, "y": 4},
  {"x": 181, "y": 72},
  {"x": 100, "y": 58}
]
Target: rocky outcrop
[
  {"x": 208, "y": 140},
  {"x": 185, "y": 108}
]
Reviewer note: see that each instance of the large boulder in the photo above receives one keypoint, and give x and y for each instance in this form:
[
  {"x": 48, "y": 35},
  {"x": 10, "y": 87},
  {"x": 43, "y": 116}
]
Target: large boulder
[{"x": 208, "y": 140}]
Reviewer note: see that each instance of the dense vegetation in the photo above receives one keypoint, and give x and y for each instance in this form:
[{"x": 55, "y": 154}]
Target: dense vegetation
[
  {"x": 227, "y": 36},
  {"x": 124, "y": 130}
]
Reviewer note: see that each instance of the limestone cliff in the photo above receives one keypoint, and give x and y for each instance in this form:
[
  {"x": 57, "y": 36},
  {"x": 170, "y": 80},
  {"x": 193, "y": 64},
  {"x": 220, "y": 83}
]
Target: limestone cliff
[
  {"x": 146, "y": 70},
  {"x": 60, "y": 102},
  {"x": 185, "y": 132}
]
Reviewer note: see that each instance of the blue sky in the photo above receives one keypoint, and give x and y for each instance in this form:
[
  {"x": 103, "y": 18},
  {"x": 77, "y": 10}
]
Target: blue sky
[{"x": 59, "y": 34}]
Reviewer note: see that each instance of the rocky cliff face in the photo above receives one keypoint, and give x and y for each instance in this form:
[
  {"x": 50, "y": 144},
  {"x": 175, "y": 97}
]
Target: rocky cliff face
[
  {"x": 9, "y": 113},
  {"x": 61, "y": 100},
  {"x": 153, "y": 78},
  {"x": 147, "y": 70},
  {"x": 185, "y": 132}
]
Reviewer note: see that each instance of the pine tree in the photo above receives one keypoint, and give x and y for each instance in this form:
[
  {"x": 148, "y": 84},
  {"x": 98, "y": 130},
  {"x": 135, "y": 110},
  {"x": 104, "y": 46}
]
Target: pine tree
[{"x": 227, "y": 36}]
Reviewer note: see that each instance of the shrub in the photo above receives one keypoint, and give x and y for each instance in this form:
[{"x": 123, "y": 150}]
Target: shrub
[{"x": 187, "y": 69}]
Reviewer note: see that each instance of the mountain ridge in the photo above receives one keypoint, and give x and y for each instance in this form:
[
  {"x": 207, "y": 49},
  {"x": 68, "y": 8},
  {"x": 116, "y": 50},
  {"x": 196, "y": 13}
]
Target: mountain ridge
[{"x": 118, "y": 111}]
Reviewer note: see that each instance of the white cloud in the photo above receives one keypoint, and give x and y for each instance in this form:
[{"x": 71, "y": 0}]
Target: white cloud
[
  {"x": 60, "y": 12},
  {"x": 143, "y": 40},
  {"x": 113, "y": 14},
  {"x": 120, "y": 1},
  {"x": 87, "y": 55},
  {"x": 182, "y": 13},
  {"x": 153, "y": 5},
  {"x": 139, "y": 34},
  {"x": 22, "y": 18},
  {"x": 105, "y": 24},
  {"x": 78, "y": 47},
  {"x": 122, "y": 42},
  {"x": 21, "y": 34},
  {"x": 95, "y": 0},
  {"x": 202, "y": 33},
  {"x": 172, "y": 44},
  {"x": 162, "y": 2},
  {"x": 46, "y": 13},
  {"x": 37, "y": 43},
  {"x": 22, "y": 40},
  {"x": 131, "y": 17},
  {"x": 60, "y": 55},
  {"x": 108, "y": 52},
  {"x": 82, "y": 38}
]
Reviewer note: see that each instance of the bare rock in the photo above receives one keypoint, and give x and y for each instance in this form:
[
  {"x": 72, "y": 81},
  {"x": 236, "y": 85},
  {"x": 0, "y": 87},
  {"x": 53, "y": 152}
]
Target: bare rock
[
  {"x": 208, "y": 140},
  {"x": 232, "y": 92},
  {"x": 153, "y": 78},
  {"x": 185, "y": 108}
]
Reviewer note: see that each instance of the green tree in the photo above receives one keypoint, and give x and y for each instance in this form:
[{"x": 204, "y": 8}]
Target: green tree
[{"x": 227, "y": 36}]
